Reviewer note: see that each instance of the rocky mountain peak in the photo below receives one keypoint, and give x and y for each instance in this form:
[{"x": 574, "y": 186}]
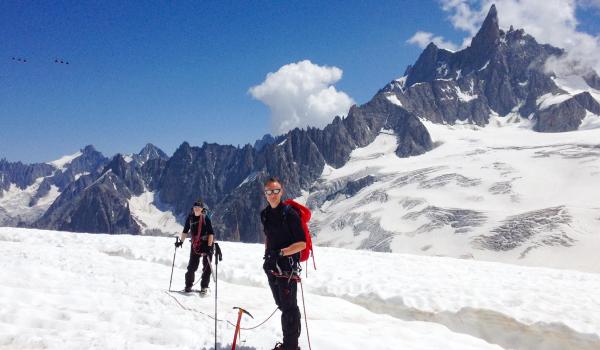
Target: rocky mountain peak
[
  {"x": 117, "y": 164},
  {"x": 150, "y": 152},
  {"x": 428, "y": 65},
  {"x": 488, "y": 36},
  {"x": 267, "y": 139},
  {"x": 89, "y": 149},
  {"x": 127, "y": 172},
  {"x": 500, "y": 73}
]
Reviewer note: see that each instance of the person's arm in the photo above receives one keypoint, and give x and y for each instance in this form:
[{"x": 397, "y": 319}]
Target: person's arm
[
  {"x": 293, "y": 248},
  {"x": 211, "y": 233},
  {"x": 263, "y": 220},
  {"x": 295, "y": 226},
  {"x": 186, "y": 229}
]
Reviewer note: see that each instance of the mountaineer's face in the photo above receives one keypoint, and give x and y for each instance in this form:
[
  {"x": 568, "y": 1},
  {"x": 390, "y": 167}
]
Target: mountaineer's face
[{"x": 273, "y": 192}]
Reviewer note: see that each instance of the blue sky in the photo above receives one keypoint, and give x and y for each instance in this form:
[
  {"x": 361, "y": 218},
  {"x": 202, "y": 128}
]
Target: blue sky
[{"x": 166, "y": 73}]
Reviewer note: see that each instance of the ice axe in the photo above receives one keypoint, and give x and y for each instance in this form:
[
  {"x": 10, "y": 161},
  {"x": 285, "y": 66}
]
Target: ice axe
[{"x": 237, "y": 326}]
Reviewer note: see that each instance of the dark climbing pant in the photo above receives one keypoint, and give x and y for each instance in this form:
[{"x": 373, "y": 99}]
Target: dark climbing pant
[
  {"x": 193, "y": 266},
  {"x": 284, "y": 293}
]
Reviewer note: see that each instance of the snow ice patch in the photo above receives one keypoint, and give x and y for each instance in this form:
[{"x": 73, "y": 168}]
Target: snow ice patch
[
  {"x": 61, "y": 163},
  {"x": 548, "y": 100},
  {"x": 466, "y": 96},
  {"x": 394, "y": 99},
  {"x": 145, "y": 211},
  {"x": 591, "y": 121}
]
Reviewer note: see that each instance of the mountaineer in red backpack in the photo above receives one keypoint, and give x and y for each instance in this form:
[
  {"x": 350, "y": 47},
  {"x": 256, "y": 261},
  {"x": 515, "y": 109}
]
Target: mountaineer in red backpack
[{"x": 287, "y": 242}]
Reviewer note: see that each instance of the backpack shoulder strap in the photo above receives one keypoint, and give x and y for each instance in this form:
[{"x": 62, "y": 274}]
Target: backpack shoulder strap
[{"x": 286, "y": 208}]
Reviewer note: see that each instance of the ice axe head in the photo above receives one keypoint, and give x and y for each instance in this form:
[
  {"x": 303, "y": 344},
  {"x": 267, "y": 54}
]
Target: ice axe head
[{"x": 240, "y": 311}]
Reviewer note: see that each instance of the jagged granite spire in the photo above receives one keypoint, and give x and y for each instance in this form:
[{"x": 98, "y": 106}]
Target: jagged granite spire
[
  {"x": 150, "y": 152},
  {"x": 427, "y": 67},
  {"x": 500, "y": 72},
  {"x": 127, "y": 172},
  {"x": 488, "y": 36}
]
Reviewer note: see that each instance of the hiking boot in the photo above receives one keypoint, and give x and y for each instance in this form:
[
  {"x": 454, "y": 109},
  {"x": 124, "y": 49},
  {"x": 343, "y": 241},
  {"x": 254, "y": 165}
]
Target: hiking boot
[
  {"x": 279, "y": 346},
  {"x": 188, "y": 289}
]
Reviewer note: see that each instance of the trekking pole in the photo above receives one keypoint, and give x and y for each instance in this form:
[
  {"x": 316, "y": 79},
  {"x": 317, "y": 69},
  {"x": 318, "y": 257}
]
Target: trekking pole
[
  {"x": 172, "y": 267},
  {"x": 237, "y": 326},
  {"x": 218, "y": 257}
]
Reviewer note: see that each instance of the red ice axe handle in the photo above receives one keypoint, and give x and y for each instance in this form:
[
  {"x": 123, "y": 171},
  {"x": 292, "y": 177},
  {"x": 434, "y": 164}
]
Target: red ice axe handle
[{"x": 237, "y": 326}]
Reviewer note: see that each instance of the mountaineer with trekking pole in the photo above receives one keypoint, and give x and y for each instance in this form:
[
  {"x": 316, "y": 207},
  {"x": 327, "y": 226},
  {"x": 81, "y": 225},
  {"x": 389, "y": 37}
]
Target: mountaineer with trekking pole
[{"x": 200, "y": 226}]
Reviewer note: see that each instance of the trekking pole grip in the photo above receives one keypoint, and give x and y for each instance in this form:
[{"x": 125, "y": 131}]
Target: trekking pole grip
[{"x": 218, "y": 253}]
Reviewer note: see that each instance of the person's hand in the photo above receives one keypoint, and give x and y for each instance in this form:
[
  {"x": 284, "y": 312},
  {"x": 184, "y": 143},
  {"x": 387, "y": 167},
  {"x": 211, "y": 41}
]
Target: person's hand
[
  {"x": 178, "y": 244},
  {"x": 272, "y": 254}
]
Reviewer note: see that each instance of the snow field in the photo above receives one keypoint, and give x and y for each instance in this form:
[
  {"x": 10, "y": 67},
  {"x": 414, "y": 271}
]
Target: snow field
[
  {"x": 491, "y": 174},
  {"x": 66, "y": 290}
]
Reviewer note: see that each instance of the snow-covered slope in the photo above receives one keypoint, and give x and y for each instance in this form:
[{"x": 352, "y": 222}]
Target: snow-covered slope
[
  {"x": 70, "y": 291},
  {"x": 152, "y": 216},
  {"x": 62, "y": 163},
  {"x": 16, "y": 204},
  {"x": 501, "y": 193},
  {"x": 576, "y": 84}
]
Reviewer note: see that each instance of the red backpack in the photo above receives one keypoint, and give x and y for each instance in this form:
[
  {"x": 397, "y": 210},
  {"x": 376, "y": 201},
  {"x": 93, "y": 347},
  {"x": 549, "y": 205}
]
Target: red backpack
[{"x": 304, "y": 214}]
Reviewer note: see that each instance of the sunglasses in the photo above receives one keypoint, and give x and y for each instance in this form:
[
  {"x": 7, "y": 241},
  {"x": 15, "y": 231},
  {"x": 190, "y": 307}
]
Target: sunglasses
[{"x": 270, "y": 192}]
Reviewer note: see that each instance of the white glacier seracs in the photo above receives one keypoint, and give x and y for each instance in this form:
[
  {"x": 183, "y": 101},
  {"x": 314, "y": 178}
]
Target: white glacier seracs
[{"x": 504, "y": 172}]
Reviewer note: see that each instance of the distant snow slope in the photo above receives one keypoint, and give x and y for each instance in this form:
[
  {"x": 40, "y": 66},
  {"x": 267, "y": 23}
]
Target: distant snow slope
[
  {"x": 71, "y": 291},
  {"x": 500, "y": 193},
  {"x": 61, "y": 163},
  {"x": 574, "y": 84},
  {"x": 152, "y": 216},
  {"x": 15, "y": 203}
]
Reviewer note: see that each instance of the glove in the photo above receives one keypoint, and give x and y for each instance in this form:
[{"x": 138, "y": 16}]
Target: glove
[
  {"x": 178, "y": 244},
  {"x": 206, "y": 249},
  {"x": 272, "y": 254}
]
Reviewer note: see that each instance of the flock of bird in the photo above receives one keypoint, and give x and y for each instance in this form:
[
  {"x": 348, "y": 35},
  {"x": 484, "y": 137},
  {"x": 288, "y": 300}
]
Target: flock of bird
[{"x": 24, "y": 60}]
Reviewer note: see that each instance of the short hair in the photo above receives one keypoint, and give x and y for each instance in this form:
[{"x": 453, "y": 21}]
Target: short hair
[{"x": 272, "y": 179}]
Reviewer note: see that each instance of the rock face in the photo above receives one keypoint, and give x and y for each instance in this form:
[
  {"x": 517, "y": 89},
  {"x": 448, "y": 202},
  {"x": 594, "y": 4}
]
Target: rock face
[
  {"x": 96, "y": 206},
  {"x": 266, "y": 140},
  {"x": 36, "y": 182},
  {"x": 22, "y": 175},
  {"x": 149, "y": 152},
  {"x": 230, "y": 179},
  {"x": 98, "y": 200},
  {"x": 500, "y": 72}
]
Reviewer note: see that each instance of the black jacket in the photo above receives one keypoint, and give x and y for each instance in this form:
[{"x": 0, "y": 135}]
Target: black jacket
[
  {"x": 191, "y": 224},
  {"x": 282, "y": 227}
]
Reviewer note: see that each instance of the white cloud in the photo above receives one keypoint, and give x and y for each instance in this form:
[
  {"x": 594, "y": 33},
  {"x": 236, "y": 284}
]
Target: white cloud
[
  {"x": 422, "y": 39},
  {"x": 549, "y": 21},
  {"x": 302, "y": 94},
  {"x": 462, "y": 16}
]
